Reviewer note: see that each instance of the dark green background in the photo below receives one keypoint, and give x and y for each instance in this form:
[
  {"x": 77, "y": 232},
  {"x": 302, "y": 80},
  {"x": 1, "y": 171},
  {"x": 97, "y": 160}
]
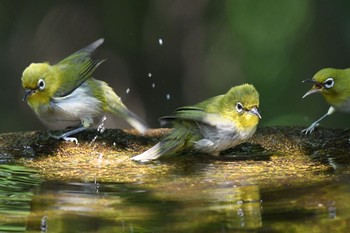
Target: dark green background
[{"x": 208, "y": 46}]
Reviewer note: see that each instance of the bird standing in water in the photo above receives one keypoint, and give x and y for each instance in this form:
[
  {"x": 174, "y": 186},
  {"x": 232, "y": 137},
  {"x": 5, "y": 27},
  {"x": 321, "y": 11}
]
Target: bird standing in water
[
  {"x": 211, "y": 126},
  {"x": 67, "y": 93},
  {"x": 334, "y": 86}
]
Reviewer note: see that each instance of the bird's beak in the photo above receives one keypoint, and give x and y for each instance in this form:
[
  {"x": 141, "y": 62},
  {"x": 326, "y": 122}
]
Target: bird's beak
[
  {"x": 255, "y": 111},
  {"x": 27, "y": 93},
  {"x": 317, "y": 87},
  {"x": 314, "y": 89}
]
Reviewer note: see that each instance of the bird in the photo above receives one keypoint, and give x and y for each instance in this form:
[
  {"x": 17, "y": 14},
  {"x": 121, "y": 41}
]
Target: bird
[
  {"x": 67, "y": 93},
  {"x": 334, "y": 86},
  {"x": 211, "y": 126}
]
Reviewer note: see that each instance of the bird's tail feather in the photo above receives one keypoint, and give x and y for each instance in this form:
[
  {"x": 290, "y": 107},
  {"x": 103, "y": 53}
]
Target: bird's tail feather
[
  {"x": 92, "y": 47},
  {"x": 115, "y": 106},
  {"x": 136, "y": 122},
  {"x": 161, "y": 148}
]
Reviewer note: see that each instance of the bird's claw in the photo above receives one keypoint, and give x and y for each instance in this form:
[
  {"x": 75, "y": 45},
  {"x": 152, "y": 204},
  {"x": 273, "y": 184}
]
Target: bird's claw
[
  {"x": 71, "y": 139},
  {"x": 310, "y": 129},
  {"x": 67, "y": 139}
]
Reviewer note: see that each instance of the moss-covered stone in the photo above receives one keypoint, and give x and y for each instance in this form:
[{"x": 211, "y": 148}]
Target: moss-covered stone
[{"x": 273, "y": 152}]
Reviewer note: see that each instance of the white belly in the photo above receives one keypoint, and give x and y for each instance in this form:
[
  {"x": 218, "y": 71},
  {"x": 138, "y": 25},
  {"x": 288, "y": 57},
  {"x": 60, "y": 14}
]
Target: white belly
[
  {"x": 222, "y": 137},
  {"x": 78, "y": 107}
]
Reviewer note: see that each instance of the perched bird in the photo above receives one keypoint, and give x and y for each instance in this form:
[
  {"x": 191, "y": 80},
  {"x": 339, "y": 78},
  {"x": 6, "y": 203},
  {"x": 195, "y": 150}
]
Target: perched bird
[
  {"x": 67, "y": 93},
  {"x": 334, "y": 86},
  {"x": 211, "y": 126}
]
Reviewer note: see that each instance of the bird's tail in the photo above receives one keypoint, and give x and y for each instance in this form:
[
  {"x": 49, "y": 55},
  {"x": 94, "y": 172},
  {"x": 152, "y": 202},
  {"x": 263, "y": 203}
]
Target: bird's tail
[
  {"x": 116, "y": 106},
  {"x": 135, "y": 121},
  {"x": 91, "y": 47},
  {"x": 165, "y": 147}
]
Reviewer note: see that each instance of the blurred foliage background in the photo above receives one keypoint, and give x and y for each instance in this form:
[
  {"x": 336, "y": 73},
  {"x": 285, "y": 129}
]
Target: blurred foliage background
[{"x": 163, "y": 54}]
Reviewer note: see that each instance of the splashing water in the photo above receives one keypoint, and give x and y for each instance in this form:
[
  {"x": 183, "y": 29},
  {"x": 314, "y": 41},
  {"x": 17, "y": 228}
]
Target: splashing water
[
  {"x": 100, "y": 160},
  {"x": 100, "y": 128},
  {"x": 97, "y": 185},
  {"x": 43, "y": 224},
  {"x": 93, "y": 140}
]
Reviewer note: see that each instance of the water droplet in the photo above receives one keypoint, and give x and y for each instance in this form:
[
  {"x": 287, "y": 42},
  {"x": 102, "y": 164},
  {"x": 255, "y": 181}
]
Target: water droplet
[
  {"x": 43, "y": 224},
  {"x": 153, "y": 85},
  {"x": 149, "y": 74},
  {"x": 93, "y": 140},
  {"x": 160, "y": 41},
  {"x": 101, "y": 127},
  {"x": 240, "y": 212},
  {"x": 168, "y": 96},
  {"x": 127, "y": 91}
]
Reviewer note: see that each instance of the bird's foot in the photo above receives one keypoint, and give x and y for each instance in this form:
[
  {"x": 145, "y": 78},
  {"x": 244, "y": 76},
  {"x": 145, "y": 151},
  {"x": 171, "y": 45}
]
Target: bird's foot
[
  {"x": 71, "y": 139},
  {"x": 310, "y": 129},
  {"x": 64, "y": 137}
]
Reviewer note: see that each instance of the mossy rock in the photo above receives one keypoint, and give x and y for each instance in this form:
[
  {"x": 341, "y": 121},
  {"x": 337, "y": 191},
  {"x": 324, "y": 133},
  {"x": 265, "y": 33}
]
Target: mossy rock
[{"x": 273, "y": 152}]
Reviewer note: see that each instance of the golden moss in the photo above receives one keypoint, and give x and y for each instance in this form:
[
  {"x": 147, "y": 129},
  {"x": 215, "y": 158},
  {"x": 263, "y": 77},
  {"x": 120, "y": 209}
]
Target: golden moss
[{"x": 274, "y": 154}]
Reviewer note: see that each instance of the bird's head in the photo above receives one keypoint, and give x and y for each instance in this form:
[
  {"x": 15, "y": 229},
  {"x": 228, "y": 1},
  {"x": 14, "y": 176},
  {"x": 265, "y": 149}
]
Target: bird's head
[
  {"x": 332, "y": 84},
  {"x": 38, "y": 83},
  {"x": 241, "y": 104}
]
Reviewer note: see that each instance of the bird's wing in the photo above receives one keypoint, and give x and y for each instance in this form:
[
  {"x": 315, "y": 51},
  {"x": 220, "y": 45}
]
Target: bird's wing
[
  {"x": 193, "y": 114},
  {"x": 77, "y": 68},
  {"x": 184, "y": 113}
]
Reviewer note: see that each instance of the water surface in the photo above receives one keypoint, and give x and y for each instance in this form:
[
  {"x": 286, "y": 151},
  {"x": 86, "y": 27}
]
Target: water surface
[{"x": 236, "y": 193}]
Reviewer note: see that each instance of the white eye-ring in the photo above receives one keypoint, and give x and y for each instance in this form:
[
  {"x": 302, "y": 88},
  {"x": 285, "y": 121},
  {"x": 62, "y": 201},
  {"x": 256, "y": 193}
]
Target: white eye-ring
[
  {"x": 239, "y": 107},
  {"x": 328, "y": 83},
  {"x": 41, "y": 84}
]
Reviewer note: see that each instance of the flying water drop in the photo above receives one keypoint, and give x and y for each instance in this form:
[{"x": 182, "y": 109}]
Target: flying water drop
[
  {"x": 93, "y": 140},
  {"x": 127, "y": 91},
  {"x": 150, "y": 75},
  {"x": 101, "y": 127},
  {"x": 160, "y": 41},
  {"x": 153, "y": 85},
  {"x": 168, "y": 96}
]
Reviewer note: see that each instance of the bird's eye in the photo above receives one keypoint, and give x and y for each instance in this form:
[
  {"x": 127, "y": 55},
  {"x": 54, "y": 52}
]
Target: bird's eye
[
  {"x": 41, "y": 84},
  {"x": 239, "y": 107},
  {"x": 328, "y": 83}
]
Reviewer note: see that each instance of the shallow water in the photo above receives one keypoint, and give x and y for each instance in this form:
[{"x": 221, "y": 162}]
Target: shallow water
[{"x": 223, "y": 195}]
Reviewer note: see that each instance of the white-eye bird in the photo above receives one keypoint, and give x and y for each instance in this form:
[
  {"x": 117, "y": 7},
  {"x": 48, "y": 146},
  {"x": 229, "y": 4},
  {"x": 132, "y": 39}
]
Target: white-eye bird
[
  {"x": 211, "y": 126},
  {"x": 67, "y": 93},
  {"x": 334, "y": 86}
]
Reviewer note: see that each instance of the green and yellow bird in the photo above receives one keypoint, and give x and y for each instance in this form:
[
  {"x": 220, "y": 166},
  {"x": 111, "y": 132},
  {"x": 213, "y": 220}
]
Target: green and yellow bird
[
  {"x": 334, "y": 86},
  {"x": 67, "y": 93},
  {"x": 211, "y": 126}
]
